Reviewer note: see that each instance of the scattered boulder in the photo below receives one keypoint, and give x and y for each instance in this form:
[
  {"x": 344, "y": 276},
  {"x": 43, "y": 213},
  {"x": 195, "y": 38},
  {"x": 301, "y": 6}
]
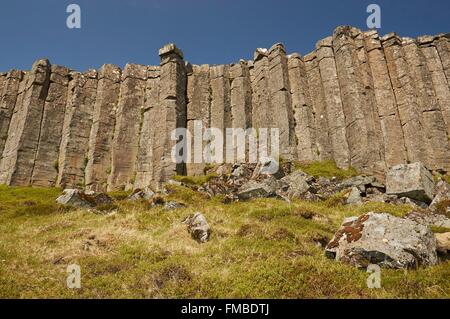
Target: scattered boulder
[
  {"x": 258, "y": 189},
  {"x": 385, "y": 240},
  {"x": 354, "y": 197},
  {"x": 443, "y": 243},
  {"x": 295, "y": 184},
  {"x": 268, "y": 167},
  {"x": 145, "y": 193},
  {"x": 172, "y": 205},
  {"x": 410, "y": 180},
  {"x": 429, "y": 218},
  {"x": 360, "y": 182},
  {"x": 78, "y": 198},
  {"x": 198, "y": 227},
  {"x": 442, "y": 193}
]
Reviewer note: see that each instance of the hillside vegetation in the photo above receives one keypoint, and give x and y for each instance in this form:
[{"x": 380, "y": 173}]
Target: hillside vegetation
[{"x": 264, "y": 248}]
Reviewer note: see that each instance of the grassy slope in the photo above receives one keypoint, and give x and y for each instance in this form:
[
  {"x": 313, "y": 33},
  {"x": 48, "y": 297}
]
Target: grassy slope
[{"x": 263, "y": 248}]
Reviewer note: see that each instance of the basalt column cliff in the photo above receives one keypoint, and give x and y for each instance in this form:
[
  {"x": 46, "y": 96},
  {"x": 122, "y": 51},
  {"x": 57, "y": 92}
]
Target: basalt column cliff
[{"x": 359, "y": 99}]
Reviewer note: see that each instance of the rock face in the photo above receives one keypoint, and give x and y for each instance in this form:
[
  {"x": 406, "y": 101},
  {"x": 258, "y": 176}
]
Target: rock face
[
  {"x": 385, "y": 240},
  {"x": 411, "y": 180},
  {"x": 359, "y": 99}
]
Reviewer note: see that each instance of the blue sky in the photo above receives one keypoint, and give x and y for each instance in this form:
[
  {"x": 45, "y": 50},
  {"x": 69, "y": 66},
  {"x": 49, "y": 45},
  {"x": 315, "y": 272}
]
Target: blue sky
[{"x": 208, "y": 31}]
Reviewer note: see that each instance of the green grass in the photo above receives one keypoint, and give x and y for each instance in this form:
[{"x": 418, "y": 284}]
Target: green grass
[
  {"x": 264, "y": 248},
  {"x": 194, "y": 180},
  {"x": 326, "y": 169}
]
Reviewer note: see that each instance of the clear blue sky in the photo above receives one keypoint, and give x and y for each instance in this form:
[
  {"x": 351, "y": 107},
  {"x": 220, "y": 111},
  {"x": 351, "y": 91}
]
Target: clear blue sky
[{"x": 208, "y": 31}]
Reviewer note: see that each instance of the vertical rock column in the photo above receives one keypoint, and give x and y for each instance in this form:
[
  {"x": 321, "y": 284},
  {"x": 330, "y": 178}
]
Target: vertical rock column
[
  {"x": 145, "y": 159},
  {"x": 127, "y": 129},
  {"x": 442, "y": 44},
  {"x": 302, "y": 108},
  {"x": 220, "y": 98},
  {"x": 74, "y": 146},
  {"x": 322, "y": 150},
  {"x": 391, "y": 129},
  {"x": 405, "y": 95},
  {"x": 376, "y": 157},
  {"x": 241, "y": 98},
  {"x": 280, "y": 100},
  {"x": 23, "y": 136},
  {"x": 198, "y": 109},
  {"x": 102, "y": 130},
  {"x": 45, "y": 171},
  {"x": 334, "y": 106},
  {"x": 171, "y": 113},
  {"x": 436, "y": 145},
  {"x": 8, "y": 96},
  {"x": 438, "y": 77},
  {"x": 261, "y": 114}
]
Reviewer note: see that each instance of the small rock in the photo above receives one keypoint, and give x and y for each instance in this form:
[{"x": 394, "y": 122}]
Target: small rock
[
  {"x": 295, "y": 184},
  {"x": 410, "y": 180},
  {"x": 442, "y": 191},
  {"x": 268, "y": 167},
  {"x": 412, "y": 202},
  {"x": 443, "y": 243},
  {"x": 76, "y": 198},
  {"x": 255, "y": 189},
  {"x": 354, "y": 197},
  {"x": 198, "y": 227},
  {"x": 385, "y": 240},
  {"x": 429, "y": 218},
  {"x": 172, "y": 205},
  {"x": 145, "y": 193}
]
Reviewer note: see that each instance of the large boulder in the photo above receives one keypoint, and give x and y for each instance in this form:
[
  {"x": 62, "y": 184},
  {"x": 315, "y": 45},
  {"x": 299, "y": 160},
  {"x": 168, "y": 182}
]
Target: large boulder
[
  {"x": 258, "y": 189},
  {"x": 295, "y": 184},
  {"x": 385, "y": 240},
  {"x": 145, "y": 193},
  {"x": 410, "y": 180},
  {"x": 198, "y": 227},
  {"x": 78, "y": 198}
]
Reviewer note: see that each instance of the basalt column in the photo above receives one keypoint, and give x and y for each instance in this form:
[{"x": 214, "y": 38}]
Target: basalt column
[
  {"x": 74, "y": 146},
  {"x": 23, "y": 136},
  {"x": 442, "y": 44},
  {"x": 198, "y": 116},
  {"x": 128, "y": 123},
  {"x": 436, "y": 145},
  {"x": 376, "y": 156},
  {"x": 334, "y": 106},
  {"x": 391, "y": 129},
  {"x": 8, "y": 96},
  {"x": 102, "y": 130},
  {"x": 241, "y": 100},
  {"x": 170, "y": 115},
  {"x": 322, "y": 148},
  {"x": 405, "y": 95},
  {"x": 302, "y": 108},
  {"x": 45, "y": 169},
  {"x": 145, "y": 159},
  {"x": 438, "y": 76},
  {"x": 261, "y": 114},
  {"x": 280, "y": 99},
  {"x": 220, "y": 98}
]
